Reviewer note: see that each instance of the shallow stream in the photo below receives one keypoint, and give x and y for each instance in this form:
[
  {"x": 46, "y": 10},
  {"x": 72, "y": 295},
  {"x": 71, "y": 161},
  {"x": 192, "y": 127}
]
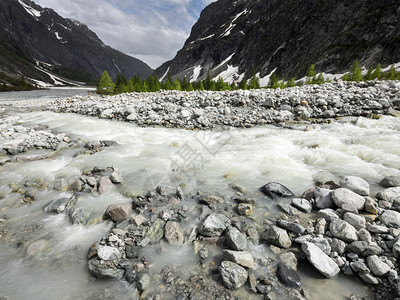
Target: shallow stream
[{"x": 197, "y": 161}]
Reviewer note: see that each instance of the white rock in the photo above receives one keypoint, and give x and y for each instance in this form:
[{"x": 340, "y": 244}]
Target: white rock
[
  {"x": 322, "y": 262},
  {"x": 343, "y": 230},
  {"x": 377, "y": 267},
  {"x": 355, "y": 184},
  {"x": 343, "y": 196},
  {"x": 391, "y": 218},
  {"x": 108, "y": 253}
]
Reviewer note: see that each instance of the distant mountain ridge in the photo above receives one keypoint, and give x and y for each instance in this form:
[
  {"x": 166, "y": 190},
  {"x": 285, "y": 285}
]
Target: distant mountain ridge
[
  {"x": 40, "y": 37},
  {"x": 236, "y": 39}
]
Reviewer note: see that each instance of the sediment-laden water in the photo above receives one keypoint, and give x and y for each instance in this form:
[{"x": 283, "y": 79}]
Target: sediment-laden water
[{"x": 205, "y": 161}]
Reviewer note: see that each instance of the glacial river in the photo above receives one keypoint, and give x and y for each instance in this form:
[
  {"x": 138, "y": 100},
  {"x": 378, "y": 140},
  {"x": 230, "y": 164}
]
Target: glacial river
[{"x": 147, "y": 157}]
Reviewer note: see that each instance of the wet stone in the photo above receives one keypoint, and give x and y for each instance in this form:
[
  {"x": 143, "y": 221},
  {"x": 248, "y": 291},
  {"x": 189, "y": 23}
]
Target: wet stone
[
  {"x": 57, "y": 206},
  {"x": 108, "y": 253},
  {"x": 274, "y": 189},
  {"x": 104, "y": 185},
  {"x": 132, "y": 251},
  {"x": 78, "y": 216},
  {"x": 302, "y": 204},
  {"x": 288, "y": 276},
  {"x": 235, "y": 239},
  {"x": 291, "y": 226},
  {"x": 277, "y": 236},
  {"x": 156, "y": 231},
  {"x": 173, "y": 233},
  {"x": 143, "y": 282},
  {"x": 214, "y": 225},
  {"x": 102, "y": 270},
  {"x": 233, "y": 275},
  {"x": 242, "y": 258},
  {"x": 244, "y": 209},
  {"x": 119, "y": 211}
]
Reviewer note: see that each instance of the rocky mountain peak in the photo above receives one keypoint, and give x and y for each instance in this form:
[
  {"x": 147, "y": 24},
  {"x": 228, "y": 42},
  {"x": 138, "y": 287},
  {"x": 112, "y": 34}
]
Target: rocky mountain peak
[{"x": 235, "y": 39}]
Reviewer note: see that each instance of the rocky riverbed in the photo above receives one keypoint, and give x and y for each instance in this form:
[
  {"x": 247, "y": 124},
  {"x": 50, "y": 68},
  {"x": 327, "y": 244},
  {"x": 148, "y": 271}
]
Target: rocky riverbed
[
  {"x": 154, "y": 213},
  {"x": 205, "y": 109}
]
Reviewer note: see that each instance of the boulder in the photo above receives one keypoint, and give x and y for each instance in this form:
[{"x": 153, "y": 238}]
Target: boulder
[
  {"x": 288, "y": 276},
  {"x": 391, "y": 218},
  {"x": 277, "y": 236},
  {"x": 323, "y": 198},
  {"x": 377, "y": 266},
  {"x": 173, "y": 233},
  {"x": 79, "y": 216},
  {"x": 235, "y": 239},
  {"x": 322, "y": 262},
  {"x": 119, "y": 211},
  {"x": 355, "y": 184},
  {"x": 108, "y": 253},
  {"x": 101, "y": 270},
  {"x": 302, "y": 204},
  {"x": 214, "y": 225},
  {"x": 57, "y": 206},
  {"x": 343, "y": 196},
  {"x": 275, "y": 189},
  {"x": 390, "y": 181},
  {"x": 233, "y": 275},
  {"x": 391, "y": 195},
  {"x": 116, "y": 176},
  {"x": 242, "y": 258},
  {"x": 355, "y": 220},
  {"x": 291, "y": 226},
  {"x": 343, "y": 230},
  {"x": 156, "y": 231},
  {"x": 328, "y": 214},
  {"x": 104, "y": 185}
]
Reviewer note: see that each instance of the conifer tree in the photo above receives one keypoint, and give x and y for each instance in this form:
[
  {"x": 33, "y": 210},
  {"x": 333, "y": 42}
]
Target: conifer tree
[
  {"x": 105, "y": 85},
  {"x": 273, "y": 81},
  {"x": 355, "y": 71},
  {"x": 368, "y": 76},
  {"x": 392, "y": 73},
  {"x": 377, "y": 74},
  {"x": 311, "y": 71}
]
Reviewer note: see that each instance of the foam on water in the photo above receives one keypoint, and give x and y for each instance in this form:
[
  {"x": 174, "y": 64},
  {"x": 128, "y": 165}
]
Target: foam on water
[{"x": 209, "y": 161}]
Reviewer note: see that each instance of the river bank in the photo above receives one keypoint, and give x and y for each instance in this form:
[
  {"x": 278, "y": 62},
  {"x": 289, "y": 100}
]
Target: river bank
[
  {"x": 175, "y": 213},
  {"x": 244, "y": 109}
]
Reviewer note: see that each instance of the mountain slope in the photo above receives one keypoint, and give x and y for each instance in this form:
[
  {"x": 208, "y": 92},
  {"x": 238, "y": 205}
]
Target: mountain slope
[
  {"x": 37, "y": 34},
  {"x": 235, "y": 39}
]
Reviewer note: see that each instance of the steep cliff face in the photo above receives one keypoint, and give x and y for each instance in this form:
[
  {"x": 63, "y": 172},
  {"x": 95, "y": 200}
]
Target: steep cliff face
[
  {"x": 235, "y": 39},
  {"x": 40, "y": 34}
]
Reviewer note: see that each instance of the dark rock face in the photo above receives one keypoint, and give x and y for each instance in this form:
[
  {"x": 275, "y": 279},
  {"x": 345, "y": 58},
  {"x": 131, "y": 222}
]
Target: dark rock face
[
  {"x": 290, "y": 36},
  {"x": 34, "y": 33}
]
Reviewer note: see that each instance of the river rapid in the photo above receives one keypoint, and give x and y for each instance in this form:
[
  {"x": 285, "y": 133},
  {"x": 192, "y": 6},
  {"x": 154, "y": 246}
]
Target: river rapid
[{"x": 206, "y": 161}]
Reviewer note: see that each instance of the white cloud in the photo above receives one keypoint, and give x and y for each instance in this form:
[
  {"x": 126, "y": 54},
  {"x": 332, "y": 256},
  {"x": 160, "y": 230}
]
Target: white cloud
[{"x": 151, "y": 30}]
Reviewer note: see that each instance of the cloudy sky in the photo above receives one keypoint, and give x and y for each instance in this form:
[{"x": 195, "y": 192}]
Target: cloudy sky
[{"x": 151, "y": 30}]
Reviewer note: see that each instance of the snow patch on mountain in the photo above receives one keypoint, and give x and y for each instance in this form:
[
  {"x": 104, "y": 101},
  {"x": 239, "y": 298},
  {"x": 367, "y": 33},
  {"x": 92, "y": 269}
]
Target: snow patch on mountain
[
  {"x": 33, "y": 12},
  {"x": 231, "y": 75},
  {"x": 202, "y": 39},
  {"x": 165, "y": 75},
  {"x": 196, "y": 73},
  {"x": 229, "y": 29}
]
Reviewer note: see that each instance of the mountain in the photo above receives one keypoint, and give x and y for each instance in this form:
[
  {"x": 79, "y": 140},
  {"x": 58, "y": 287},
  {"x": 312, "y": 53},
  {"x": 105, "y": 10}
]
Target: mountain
[
  {"x": 235, "y": 39},
  {"x": 33, "y": 37}
]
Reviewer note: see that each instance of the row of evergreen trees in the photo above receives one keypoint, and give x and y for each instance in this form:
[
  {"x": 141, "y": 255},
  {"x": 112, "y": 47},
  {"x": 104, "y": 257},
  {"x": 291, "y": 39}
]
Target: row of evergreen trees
[{"x": 106, "y": 86}]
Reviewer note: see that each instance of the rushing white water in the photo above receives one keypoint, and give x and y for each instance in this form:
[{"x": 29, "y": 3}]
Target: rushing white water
[{"x": 205, "y": 161}]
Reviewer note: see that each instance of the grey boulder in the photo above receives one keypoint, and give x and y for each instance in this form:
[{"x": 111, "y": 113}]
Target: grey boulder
[
  {"x": 233, "y": 275},
  {"x": 322, "y": 262}
]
